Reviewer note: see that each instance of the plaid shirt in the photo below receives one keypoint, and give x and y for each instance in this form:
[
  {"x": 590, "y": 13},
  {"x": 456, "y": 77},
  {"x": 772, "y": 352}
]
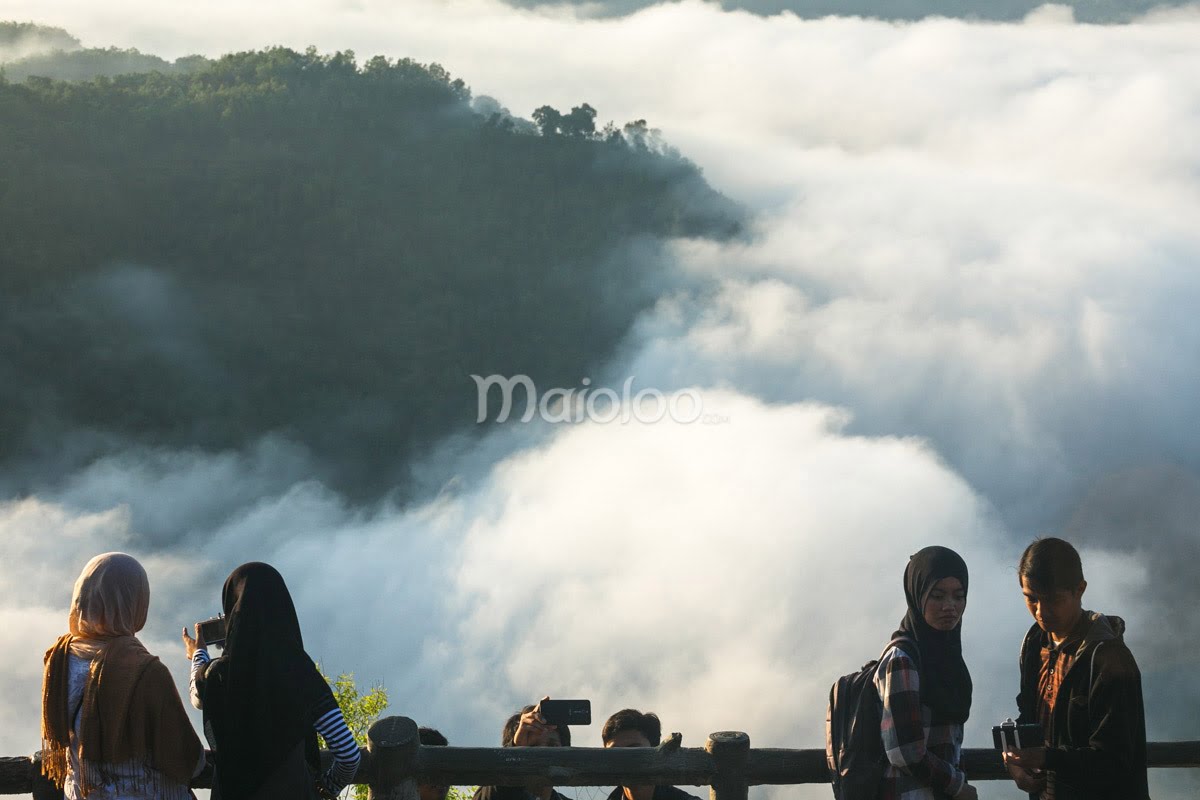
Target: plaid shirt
[
  {"x": 1057, "y": 661},
  {"x": 924, "y": 758}
]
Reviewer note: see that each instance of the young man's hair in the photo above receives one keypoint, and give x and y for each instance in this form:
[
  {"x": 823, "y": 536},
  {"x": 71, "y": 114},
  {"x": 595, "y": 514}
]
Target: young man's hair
[
  {"x": 630, "y": 719},
  {"x": 510, "y": 729},
  {"x": 1050, "y": 565},
  {"x": 431, "y": 737}
]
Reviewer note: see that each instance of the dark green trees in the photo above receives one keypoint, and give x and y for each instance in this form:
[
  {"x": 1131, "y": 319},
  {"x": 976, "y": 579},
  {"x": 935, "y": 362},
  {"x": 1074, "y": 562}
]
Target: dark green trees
[{"x": 286, "y": 243}]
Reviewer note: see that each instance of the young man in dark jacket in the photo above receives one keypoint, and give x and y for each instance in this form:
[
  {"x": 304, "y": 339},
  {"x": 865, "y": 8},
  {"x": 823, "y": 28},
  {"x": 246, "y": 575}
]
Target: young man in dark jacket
[
  {"x": 1081, "y": 683},
  {"x": 632, "y": 728}
]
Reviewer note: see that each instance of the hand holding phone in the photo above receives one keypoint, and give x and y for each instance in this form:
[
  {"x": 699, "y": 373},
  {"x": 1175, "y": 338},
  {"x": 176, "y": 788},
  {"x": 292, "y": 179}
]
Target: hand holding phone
[
  {"x": 540, "y": 725},
  {"x": 1024, "y": 775},
  {"x": 190, "y": 645}
]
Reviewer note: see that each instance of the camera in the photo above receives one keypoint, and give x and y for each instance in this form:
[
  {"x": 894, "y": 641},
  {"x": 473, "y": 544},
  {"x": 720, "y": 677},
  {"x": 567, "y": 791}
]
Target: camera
[
  {"x": 1008, "y": 735},
  {"x": 213, "y": 630}
]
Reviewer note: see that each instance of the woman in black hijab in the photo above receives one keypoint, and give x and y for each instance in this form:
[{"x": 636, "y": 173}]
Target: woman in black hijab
[
  {"x": 925, "y": 684},
  {"x": 264, "y": 701}
]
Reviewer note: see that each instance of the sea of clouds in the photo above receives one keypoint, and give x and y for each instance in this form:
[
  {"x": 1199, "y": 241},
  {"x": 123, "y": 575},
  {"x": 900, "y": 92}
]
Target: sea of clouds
[{"x": 965, "y": 316}]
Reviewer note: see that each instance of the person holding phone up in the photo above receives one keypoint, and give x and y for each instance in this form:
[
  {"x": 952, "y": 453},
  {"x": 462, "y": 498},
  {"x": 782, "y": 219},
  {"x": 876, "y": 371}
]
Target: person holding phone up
[
  {"x": 264, "y": 701},
  {"x": 529, "y": 727}
]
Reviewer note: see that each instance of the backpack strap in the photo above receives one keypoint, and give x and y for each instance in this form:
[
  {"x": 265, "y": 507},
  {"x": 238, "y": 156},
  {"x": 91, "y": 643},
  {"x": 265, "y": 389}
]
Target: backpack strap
[{"x": 913, "y": 651}]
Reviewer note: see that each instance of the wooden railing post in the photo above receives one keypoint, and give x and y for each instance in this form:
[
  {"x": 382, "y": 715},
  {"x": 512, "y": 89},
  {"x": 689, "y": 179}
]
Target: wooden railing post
[
  {"x": 393, "y": 743},
  {"x": 43, "y": 788},
  {"x": 729, "y": 750}
]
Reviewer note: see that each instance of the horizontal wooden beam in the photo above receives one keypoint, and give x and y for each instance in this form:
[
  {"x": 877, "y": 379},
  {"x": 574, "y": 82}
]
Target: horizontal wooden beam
[
  {"x": 16, "y": 775},
  {"x": 594, "y": 766},
  {"x": 1172, "y": 755},
  {"x": 591, "y": 766}
]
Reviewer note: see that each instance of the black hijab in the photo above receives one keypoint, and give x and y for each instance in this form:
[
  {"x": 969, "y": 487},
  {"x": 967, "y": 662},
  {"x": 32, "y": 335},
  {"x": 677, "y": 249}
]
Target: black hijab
[
  {"x": 945, "y": 679},
  {"x": 262, "y": 695}
]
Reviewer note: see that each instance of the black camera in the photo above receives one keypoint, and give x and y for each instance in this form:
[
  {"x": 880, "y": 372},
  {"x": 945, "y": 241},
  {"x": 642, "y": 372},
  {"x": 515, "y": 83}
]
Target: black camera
[
  {"x": 1008, "y": 735},
  {"x": 213, "y": 630}
]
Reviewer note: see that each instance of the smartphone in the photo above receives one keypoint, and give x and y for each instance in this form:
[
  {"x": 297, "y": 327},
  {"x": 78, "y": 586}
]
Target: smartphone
[
  {"x": 1011, "y": 736},
  {"x": 213, "y": 630},
  {"x": 566, "y": 712}
]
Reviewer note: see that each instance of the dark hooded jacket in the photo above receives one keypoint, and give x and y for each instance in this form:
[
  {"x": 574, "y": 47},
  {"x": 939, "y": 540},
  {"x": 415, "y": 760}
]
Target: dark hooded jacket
[{"x": 1096, "y": 745}]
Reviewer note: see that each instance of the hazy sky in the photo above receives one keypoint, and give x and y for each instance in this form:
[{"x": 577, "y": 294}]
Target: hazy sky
[
  {"x": 967, "y": 316},
  {"x": 1094, "y": 11}
]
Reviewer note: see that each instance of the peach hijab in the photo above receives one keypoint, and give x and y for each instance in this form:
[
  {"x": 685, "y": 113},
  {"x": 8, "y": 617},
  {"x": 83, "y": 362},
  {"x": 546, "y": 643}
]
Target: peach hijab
[{"x": 111, "y": 599}]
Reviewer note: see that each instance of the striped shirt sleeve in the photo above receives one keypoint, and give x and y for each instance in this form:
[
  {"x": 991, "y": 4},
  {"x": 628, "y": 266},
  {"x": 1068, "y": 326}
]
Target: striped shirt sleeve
[
  {"x": 903, "y": 728},
  {"x": 332, "y": 727},
  {"x": 200, "y": 660}
]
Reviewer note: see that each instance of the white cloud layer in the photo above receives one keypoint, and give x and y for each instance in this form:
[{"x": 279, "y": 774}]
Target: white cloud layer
[
  {"x": 685, "y": 568},
  {"x": 982, "y": 236}
]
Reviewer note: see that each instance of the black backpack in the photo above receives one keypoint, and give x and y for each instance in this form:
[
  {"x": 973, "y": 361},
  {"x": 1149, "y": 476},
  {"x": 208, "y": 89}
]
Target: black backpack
[{"x": 853, "y": 742}]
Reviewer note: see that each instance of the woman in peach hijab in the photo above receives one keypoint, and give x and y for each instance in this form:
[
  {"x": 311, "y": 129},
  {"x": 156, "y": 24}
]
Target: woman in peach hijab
[{"x": 113, "y": 726}]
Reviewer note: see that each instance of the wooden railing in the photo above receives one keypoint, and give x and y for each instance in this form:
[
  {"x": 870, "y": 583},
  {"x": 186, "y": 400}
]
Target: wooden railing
[{"x": 394, "y": 759}]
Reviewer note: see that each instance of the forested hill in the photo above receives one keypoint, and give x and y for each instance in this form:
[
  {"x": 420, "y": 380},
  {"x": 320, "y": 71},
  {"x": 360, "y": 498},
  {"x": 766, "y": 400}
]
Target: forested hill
[
  {"x": 290, "y": 243},
  {"x": 29, "y": 50}
]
